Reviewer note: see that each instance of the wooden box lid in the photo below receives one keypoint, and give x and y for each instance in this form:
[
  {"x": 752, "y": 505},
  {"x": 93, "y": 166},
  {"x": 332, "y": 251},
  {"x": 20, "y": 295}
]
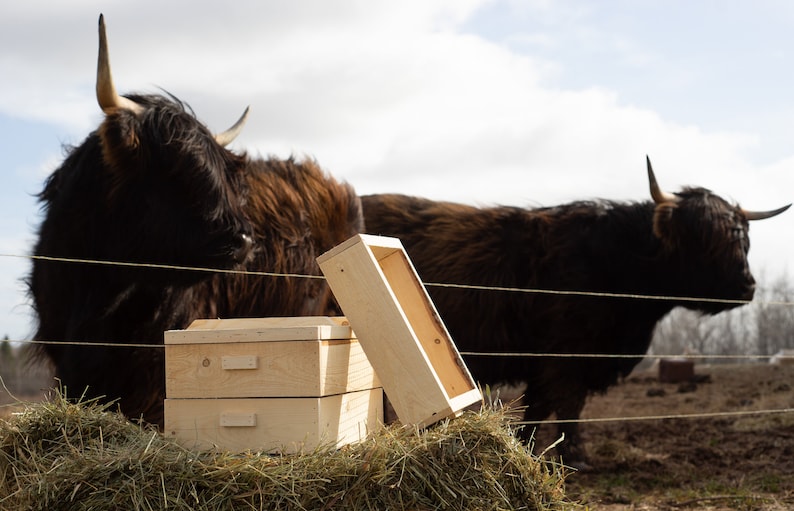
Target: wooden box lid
[
  {"x": 399, "y": 328},
  {"x": 309, "y": 328}
]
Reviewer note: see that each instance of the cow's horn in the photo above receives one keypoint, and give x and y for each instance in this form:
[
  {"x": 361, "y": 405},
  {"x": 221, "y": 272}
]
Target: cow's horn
[
  {"x": 225, "y": 138},
  {"x": 106, "y": 93},
  {"x": 658, "y": 195},
  {"x": 760, "y": 215}
]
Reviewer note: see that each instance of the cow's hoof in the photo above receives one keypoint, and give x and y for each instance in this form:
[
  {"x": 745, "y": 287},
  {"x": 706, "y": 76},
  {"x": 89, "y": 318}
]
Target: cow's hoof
[{"x": 579, "y": 465}]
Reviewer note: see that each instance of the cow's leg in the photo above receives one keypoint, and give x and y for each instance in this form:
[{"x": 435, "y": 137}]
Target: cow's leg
[
  {"x": 132, "y": 379},
  {"x": 535, "y": 411},
  {"x": 571, "y": 449}
]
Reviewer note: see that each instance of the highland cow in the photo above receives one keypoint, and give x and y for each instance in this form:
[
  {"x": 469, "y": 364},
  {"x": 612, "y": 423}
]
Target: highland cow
[
  {"x": 689, "y": 244},
  {"x": 153, "y": 189}
]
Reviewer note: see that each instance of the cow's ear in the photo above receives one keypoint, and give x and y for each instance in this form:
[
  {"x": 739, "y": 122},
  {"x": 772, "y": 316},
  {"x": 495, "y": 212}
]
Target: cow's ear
[
  {"x": 663, "y": 222},
  {"x": 119, "y": 137}
]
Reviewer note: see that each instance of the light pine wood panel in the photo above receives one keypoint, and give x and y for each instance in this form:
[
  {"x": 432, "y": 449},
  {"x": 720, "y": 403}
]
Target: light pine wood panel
[
  {"x": 267, "y": 369},
  {"x": 400, "y": 330},
  {"x": 274, "y": 424}
]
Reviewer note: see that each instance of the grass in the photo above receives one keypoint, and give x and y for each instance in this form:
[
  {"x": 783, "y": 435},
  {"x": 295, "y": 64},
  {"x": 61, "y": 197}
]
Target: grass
[{"x": 64, "y": 455}]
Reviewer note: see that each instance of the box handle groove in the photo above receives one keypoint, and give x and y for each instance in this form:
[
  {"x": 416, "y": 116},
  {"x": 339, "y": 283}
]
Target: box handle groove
[
  {"x": 238, "y": 420},
  {"x": 239, "y": 362}
]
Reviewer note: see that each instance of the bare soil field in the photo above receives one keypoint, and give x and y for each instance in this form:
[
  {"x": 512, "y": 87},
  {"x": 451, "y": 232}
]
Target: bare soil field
[{"x": 726, "y": 462}]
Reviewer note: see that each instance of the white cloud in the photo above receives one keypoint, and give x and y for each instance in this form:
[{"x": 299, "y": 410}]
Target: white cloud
[{"x": 391, "y": 96}]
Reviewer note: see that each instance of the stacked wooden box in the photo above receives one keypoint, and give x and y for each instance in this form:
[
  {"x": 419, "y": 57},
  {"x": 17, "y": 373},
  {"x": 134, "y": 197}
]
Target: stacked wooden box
[
  {"x": 285, "y": 384},
  {"x": 295, "y": 383}
]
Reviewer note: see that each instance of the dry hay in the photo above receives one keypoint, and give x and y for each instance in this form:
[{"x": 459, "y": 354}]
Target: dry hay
[{"x": 63, "y": 455}]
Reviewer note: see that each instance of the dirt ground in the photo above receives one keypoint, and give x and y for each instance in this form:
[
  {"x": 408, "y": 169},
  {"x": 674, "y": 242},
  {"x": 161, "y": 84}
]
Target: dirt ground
[{"x": 727, "y": 462}]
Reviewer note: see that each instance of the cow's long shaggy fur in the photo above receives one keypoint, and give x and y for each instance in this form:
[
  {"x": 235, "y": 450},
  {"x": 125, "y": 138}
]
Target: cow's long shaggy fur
[
  {"x": 694, "y": 247},
  {"x": 155, "y": 187}
]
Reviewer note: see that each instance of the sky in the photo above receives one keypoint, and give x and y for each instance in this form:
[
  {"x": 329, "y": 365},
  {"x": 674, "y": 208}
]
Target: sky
[{"x": 526, "y": 103}]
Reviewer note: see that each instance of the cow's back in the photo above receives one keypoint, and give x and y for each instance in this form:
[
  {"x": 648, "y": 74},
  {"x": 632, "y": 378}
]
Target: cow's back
[{"x": 488, "y": 255}]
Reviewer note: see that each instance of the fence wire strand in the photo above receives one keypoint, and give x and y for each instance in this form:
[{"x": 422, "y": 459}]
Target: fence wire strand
[
  {"x": 466, "y": 353},
  {"x": 705, "y": 415},
  {"x": 650, "y": 356},
  {"x": 595, "y": 294}
]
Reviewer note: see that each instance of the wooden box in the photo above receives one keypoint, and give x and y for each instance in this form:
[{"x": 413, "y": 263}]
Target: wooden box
[
  {"x": 676, "y": 370},
  {"x": 265, "y": 357},
  {"x": 283, "y": 424},
  {"x": 400, "y": 330},
  {"x": 269, "y": 384}
]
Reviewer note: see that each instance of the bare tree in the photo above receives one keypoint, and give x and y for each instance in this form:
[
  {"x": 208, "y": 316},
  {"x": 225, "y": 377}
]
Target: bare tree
[
  {"x": 760, "y": 328},
  {"x": 774, "y": 316}
]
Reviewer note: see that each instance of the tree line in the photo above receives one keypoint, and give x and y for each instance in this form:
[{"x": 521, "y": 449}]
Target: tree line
[
  {"x": 763, "y": 327},
  {"x": 21, "y": 374}
]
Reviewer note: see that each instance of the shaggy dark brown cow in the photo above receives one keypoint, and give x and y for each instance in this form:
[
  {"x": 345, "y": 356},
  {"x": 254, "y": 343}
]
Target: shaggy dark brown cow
[
  {"x": 691, "y": 244},
  {"x": 153, "y": 185}
]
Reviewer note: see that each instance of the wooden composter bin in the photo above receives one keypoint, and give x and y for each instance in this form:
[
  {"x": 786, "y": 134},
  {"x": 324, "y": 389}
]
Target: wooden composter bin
[
  {"x": 676, "y": 370},
  {"x": 268, "y": 384},
  {"x": 400, "y": 329}
]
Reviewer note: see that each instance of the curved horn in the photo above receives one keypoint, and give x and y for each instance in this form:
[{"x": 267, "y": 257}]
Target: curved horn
[
  {"x": 106, "y": 94},
  {"x": 225, "y": 138},
  {"x": 658, "y": 195},
  {"x": 760, "y": 215}
]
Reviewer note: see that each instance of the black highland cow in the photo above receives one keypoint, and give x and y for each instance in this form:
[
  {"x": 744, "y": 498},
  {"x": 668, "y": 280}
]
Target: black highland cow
[
  {"x": 689, "y": 244},
  {"x": 153, "y": 185}
]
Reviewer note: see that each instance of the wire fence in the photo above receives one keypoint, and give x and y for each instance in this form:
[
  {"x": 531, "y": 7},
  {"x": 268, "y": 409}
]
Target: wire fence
[{"x": 687, "y": 356}]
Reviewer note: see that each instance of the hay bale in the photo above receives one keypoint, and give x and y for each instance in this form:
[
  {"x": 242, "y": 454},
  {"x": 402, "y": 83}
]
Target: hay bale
[{"x": 62, "y": 455}]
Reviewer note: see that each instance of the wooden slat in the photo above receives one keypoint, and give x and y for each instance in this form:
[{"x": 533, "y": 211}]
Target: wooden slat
[
  {"x": 261, "y": 330},
  {"x": 282, "y": 368},
  {"x": 291, "y": 424},
  {"x": 426, "y": 323}
]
